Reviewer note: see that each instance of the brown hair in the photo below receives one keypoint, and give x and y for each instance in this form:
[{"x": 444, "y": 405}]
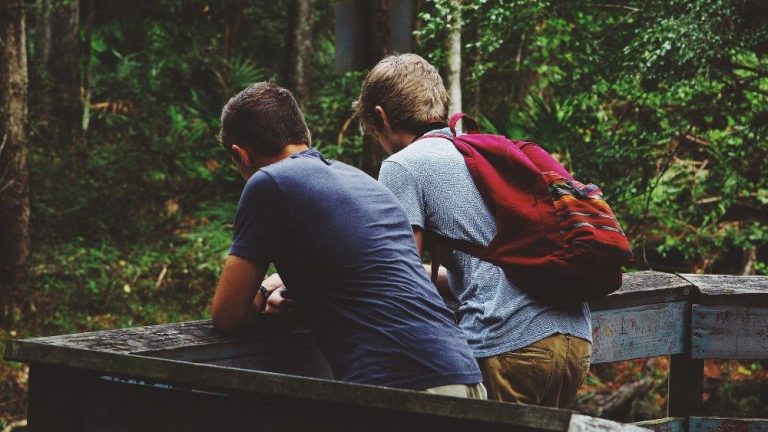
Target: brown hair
[
  {"x": 264, "y": 118},
  {"x": 410, "y": 91}
]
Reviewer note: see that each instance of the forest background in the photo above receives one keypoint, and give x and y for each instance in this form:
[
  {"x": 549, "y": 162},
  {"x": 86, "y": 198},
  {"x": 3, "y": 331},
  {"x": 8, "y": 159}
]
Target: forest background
[{"x": 129, "y": 199}]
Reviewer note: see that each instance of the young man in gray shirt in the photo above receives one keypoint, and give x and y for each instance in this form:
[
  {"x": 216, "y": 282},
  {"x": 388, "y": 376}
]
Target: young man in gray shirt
[{"x": 528, "y": 351}]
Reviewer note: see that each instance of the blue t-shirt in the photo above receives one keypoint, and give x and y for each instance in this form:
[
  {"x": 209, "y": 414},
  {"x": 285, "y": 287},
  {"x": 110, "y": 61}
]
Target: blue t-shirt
[{"x": 345, "y": 250}]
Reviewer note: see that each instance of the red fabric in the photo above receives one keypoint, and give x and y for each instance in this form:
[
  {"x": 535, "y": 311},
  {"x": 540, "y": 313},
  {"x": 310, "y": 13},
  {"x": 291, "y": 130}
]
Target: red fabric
[{"x": 556, "y": 237}]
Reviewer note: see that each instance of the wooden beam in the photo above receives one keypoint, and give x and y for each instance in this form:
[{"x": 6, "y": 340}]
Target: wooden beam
[
  {"x": 717, "y": 424},
  {"x": 582, "y": 423},
  {"x": 730, "y": 290},
  {"x": 646, "y": 287},
  {"x": 90, "y": 401},
  {"x": 730, "y": 332},
  {"x": 638, "y": 332},
  {"x": 669, "y": 424},
  {"x": 299, "y": 392}
]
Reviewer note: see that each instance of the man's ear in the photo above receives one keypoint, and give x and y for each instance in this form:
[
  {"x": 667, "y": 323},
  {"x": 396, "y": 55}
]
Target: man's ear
[
  {"x": 383, "y": 116},
  {"x": 242, "y": 154}
]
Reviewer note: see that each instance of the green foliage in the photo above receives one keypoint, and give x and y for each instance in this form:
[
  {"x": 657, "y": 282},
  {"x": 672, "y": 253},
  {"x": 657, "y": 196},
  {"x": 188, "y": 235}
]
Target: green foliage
[
  {"x": 661, "y": 103},
  {"x": 84, "y": 286},
  {"x": 335, "y": 131},
  {"x": 150, "y": 191}
]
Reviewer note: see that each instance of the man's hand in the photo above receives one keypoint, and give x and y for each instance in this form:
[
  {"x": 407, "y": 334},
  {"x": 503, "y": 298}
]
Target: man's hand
[{"x": 277, "y": 303}]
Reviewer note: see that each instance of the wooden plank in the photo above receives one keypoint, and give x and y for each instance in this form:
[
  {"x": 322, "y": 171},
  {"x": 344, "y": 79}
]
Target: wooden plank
[
  {"x": 716, "y": 424},
  {"x": 212, "y": 346},
  {"x": 194, "y": 341},
  {"x": 114, "y": 403},
  {"x": 298, "y": 391},
  {"x": 669, "y": 424},
  {"x": 730, "y": 332},
  {"x": 730, "y": 289},
  {"x": 582, "y": 423},
  {"x": 123, "y": 404},
  {"x": 179, "y": 338},
  {"x": 293, "y": 353},
  {"x": 638, "y": 332},
  {"x": 149, "y": 338},
  {"x": 646, "y": 287}
]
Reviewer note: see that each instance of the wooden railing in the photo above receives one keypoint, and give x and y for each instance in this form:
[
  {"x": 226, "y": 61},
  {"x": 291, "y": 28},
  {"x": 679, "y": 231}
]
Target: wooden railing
[
  {"x": 184, "y": 376},
  {"x": 689, "y": 318}
]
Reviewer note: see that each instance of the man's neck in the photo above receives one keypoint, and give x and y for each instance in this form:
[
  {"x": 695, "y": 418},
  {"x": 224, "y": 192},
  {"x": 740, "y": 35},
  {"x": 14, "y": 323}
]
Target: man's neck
[
  {"x": 288, "y": 150},
  {"x": 291, "y": 149}
]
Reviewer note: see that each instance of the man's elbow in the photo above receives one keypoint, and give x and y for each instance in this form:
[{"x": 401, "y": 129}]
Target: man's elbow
[{"x": 223, "y": 322}]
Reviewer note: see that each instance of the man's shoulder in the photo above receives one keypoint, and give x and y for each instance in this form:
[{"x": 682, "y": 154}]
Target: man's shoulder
[
  {"x": 260, "y": 178},
  {"x": 426, "y": 150},
  {"x": 297, "y": 168},
  {"x": 258, "y": 186}
]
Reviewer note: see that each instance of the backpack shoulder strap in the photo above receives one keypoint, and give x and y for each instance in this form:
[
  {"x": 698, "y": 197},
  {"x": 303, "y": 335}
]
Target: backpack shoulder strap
[
  {"x": 469, "y": 123},
  {"x": 541, "y": 159}
]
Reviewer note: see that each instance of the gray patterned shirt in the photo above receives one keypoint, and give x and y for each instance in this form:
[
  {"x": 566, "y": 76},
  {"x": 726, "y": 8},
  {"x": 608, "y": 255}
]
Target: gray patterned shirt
[{"x": 434, "y": 186}]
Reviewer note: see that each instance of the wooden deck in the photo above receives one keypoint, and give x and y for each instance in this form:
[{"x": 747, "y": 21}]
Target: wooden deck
[{"x": 184, "y": 376}]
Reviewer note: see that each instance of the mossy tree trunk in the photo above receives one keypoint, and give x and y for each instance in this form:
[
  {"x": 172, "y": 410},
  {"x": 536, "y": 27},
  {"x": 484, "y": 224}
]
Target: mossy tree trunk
[
  {"x": 453, "y": 54},
  {"x": 64, "y": 71},
  {"x": 300, "y": 48},
  {"x": 14, "y": 190},
  {"x": 373, "y": 154}
]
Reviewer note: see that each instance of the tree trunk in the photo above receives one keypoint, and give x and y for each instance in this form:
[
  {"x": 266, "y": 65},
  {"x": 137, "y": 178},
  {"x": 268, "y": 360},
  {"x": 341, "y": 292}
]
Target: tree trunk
[
  {"x": 14, "y": 191},
  {"x": 750, "y": 258},
  {"x": 453, "y": 54},
  {"x": 90, "y": 5},
  {"x": 300, "y": 48},
  {"x": 373, "y": 154},
  {"x": 64, "y": 69},
  {"x": 475, "y": 107},
  {"x": 40, "y": 80},
  {"x": 233, "y": 14}
]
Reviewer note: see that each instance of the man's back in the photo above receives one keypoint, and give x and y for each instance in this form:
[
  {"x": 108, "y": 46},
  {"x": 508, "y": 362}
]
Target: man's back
[
  {"x": 345, "y": 250},
  {"x": 432, "y": 182}
]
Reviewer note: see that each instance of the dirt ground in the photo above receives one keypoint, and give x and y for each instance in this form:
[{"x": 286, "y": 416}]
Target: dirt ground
[{"x": 14, "y": 380}]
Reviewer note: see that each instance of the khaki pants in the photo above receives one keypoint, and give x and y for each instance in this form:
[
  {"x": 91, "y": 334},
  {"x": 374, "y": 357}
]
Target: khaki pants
[
  {"x": 476, "y": 391},
  {"x": 548, "y": 372}
]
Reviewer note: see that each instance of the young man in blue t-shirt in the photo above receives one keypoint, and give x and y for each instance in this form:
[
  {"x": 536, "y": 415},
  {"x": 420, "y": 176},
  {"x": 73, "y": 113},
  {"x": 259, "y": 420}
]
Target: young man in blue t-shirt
[{"x": 345, "y": 249}]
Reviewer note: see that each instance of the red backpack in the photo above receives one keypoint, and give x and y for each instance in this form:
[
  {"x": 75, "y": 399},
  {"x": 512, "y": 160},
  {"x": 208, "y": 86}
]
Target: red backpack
[{"x": 556, "y": 238}]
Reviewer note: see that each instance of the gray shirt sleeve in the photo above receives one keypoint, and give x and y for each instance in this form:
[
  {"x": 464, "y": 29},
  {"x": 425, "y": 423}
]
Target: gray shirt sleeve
[{"x": 403, "y": 184}]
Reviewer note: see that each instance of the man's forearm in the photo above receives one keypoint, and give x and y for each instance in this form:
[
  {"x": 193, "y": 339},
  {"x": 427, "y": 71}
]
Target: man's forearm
[
  {"x": 236, "y": 303},
  {"x": 443, "y": 287}
]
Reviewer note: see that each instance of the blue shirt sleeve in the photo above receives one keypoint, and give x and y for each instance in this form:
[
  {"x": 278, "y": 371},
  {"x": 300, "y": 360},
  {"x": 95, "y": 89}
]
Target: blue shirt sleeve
[{"x": 260, "y": 221}]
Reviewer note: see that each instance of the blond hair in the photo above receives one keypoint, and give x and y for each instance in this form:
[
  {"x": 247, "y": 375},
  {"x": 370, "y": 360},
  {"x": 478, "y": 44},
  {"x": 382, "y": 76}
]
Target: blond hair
[{"x": 410, "y": 91}]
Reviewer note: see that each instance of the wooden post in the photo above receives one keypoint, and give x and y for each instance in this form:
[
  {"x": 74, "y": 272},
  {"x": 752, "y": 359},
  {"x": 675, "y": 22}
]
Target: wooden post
[
  {"x": 53, "y": 398},
  {"x": 686, "y": 378}
]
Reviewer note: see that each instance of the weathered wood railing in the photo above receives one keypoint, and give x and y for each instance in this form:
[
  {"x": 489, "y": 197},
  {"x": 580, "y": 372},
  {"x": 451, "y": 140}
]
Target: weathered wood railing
[
  {"x": 690, "y": 318},
  {"x": 186, "y": 377}
]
